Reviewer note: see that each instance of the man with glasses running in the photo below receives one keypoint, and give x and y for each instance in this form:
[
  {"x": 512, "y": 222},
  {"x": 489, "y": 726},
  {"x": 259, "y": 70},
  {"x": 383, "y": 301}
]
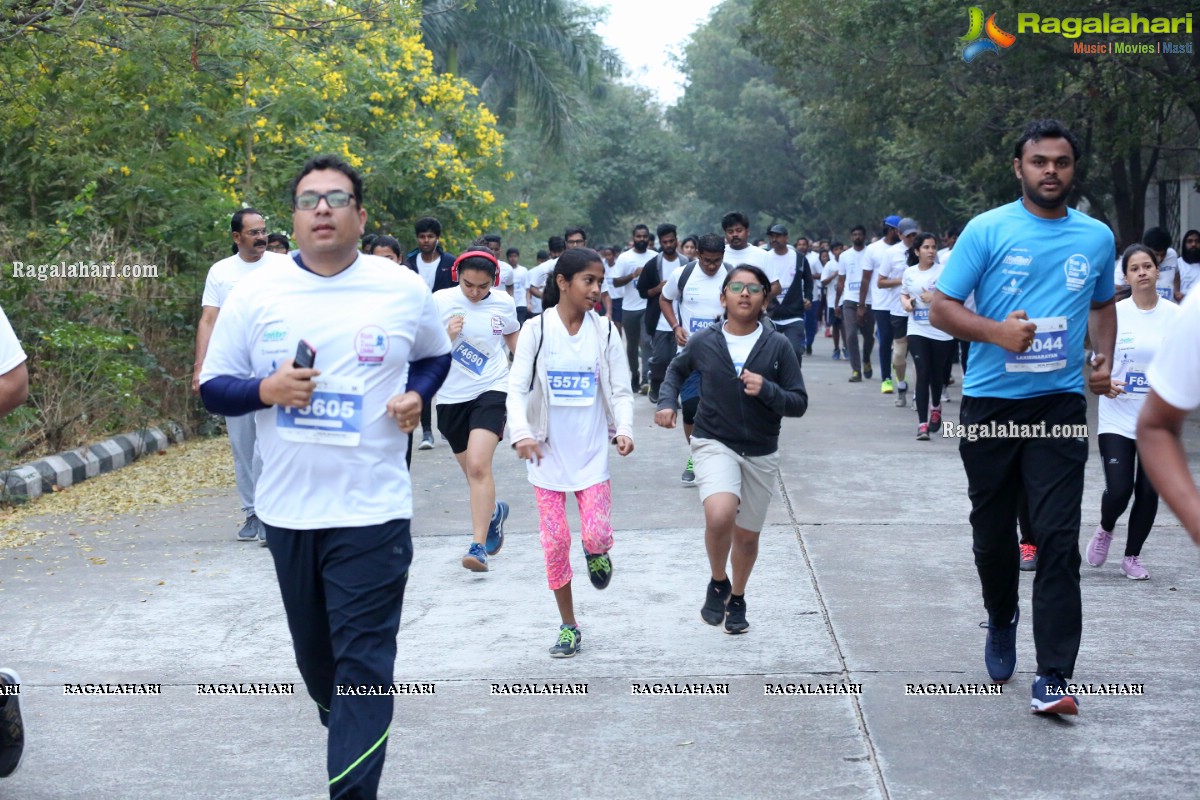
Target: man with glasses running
[{"x": 335, "y": 496}]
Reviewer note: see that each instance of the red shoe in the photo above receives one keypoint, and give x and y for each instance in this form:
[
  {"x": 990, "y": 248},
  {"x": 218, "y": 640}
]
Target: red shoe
[{"x": 1028, "y": 557}]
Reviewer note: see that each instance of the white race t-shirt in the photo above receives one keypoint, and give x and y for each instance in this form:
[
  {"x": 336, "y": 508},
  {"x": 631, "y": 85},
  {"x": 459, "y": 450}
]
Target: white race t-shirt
[
  {"x": 755, "y": 256},
  {"x": 11, "y": 354},
  {"x": 428, "y": 269},
  {"x": 226, "y": 273},
  {"x": 701, "y": 304},
  {"x": 740, "y": 346},
  {"x": 851, "y": 265},
  {"x": 780, "y": 268},
  {"x": 478, "y": 357},
  {"x": 1175, "y": 371},
  {"x": 1189, "y": 277},
  {"x": 537, "y": 277},
  {"x": 830, "y": 272},
  {"x": 506, "y": 276},
  {"x": 668, "y": 269},
  {"x": 339, "y": 462},
  {"x": 874, "y": 258},
  {"x": 1140, "y": 335},
  {"x": 628, "y": 263},
  {"x": 893, "y": 263},
  {"x": 916, "y": 283},
  {"x": 575, "y": 453},
  {"x": 520, "y": 285}
]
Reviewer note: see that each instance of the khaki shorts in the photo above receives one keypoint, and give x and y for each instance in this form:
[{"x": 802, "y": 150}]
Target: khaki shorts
[{"x": 751, "y": 478}]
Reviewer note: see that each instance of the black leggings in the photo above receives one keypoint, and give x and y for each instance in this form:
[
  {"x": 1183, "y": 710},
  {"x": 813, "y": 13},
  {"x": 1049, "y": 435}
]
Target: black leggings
[
  {"x": 1124, "y": 478},
  {"x": 931, "y": 357}
]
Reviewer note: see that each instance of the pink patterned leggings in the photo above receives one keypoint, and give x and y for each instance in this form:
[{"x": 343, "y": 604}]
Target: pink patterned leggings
[{"x": 595, "y": 517}]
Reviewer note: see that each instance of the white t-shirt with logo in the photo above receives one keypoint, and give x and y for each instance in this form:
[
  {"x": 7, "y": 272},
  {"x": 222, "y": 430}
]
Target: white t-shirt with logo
[
  {"x": 628, "y": 263},
  {"x": 520, "y": 285},
  {"x": 11, "y": 354},
  {"x": 701, "y": 303},
  {"x": 782, "y": 269},
  {"x": 1175, "y": 371},
  {"x": 874, "y": 259},
  {"x": 916, "y": 283},
  {"x": 740, "y": 346},
  {"x": 575, "y": 453},
  {"x": 228, "y": 272},
  {"x": 1140, "y": 335},
  {"x": 851, "y": 265},
  {"x": 339, "y": 462},
  {"x": 894, "y": 262},
  {"x": 479, "y": 356}
]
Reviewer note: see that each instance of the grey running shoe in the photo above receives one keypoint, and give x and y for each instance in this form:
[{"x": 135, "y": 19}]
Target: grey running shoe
[
  {"x": 568, "y": 644},
  {"x": 426, "y": 441},
  {"x": 688, "y": 478},
  {"x": 250, "y": 529}
]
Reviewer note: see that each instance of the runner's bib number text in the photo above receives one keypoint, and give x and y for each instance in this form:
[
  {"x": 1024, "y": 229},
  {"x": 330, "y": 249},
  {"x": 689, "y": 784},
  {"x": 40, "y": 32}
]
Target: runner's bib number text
[
  {"x": 1048, "y": 351},
  {"x": 333, "y": 416}
]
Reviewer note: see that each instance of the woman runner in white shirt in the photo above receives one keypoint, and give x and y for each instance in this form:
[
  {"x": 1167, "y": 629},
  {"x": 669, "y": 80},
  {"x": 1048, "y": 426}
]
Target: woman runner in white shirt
[
  {"x": 932, "y": 348},
  {"x": 1143, "y": 321},
  {"x": 568, "y": 393}
]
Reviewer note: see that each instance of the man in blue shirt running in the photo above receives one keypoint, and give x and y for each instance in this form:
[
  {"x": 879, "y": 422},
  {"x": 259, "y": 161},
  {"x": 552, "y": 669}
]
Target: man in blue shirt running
[{"x": 1042, "y": 277}]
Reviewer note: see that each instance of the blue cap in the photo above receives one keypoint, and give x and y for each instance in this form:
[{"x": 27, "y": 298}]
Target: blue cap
[{"x": 892, "y": 221}]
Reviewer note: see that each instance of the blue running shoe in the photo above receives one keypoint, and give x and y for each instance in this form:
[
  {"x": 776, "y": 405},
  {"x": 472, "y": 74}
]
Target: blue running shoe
[
  {"x": 495, "y": 534},
  {"x": 1000, "y": 649},
  {"x": 1050, "y": 696},
  {"x": 476, "y": 558}
]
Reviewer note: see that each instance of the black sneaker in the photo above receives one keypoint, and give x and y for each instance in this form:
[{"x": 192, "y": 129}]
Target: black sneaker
[
  {"x": 715, "y": 599},
  {"x": 735, "y": 616},
  {"x": 599, "y": 569},
  {"x": 867, "y": 373},
  {"x": 12, "y": 730}
]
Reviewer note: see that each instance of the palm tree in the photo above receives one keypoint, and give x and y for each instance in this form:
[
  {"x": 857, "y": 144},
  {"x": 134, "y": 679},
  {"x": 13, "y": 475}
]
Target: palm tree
[{"x": 539, "y": 54}]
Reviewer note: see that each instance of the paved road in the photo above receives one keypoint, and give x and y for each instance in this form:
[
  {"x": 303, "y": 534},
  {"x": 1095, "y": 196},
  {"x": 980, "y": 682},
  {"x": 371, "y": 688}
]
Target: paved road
[{"x": 865, "y": 578}]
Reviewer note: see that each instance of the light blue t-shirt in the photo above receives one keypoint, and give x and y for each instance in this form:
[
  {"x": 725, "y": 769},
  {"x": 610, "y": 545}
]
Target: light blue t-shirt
[{"x": 1052, "y": 269}]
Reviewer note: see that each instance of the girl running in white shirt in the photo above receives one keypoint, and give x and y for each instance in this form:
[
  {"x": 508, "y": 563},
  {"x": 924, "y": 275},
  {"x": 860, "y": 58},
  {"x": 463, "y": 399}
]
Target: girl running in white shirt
[
  {"x": 1144, "y": 320},
  {"x": 933, "y": 348},
  {"x": 568, "y": 393}
]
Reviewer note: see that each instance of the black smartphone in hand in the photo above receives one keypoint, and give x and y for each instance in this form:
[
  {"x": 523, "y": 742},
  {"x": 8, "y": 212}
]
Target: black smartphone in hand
[{"x": 306, "y": 355}]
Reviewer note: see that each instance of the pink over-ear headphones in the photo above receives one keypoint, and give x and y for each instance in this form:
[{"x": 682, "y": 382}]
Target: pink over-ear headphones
[{"x": 475, "y": 254}]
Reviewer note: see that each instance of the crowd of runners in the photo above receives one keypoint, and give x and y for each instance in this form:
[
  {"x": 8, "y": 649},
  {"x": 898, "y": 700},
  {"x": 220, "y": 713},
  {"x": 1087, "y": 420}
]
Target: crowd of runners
[{"x": 330, "y": 356}]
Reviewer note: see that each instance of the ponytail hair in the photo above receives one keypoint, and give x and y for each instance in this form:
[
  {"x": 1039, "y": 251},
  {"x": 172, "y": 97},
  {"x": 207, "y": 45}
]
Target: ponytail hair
[{"x": 569, "y": 264}]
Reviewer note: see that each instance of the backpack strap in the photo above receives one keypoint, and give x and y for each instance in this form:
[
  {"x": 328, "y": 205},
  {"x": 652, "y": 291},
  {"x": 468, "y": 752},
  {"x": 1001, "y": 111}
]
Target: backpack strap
[{"x": 541, "y": 338}]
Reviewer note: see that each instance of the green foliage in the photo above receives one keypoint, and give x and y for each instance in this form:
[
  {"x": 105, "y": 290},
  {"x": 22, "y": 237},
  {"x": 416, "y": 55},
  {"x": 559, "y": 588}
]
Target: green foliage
[{"x": 906, "y": 124}]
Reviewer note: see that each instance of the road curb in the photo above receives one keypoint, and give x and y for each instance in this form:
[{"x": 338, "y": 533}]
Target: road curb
[{"x": 30, "y": 481}]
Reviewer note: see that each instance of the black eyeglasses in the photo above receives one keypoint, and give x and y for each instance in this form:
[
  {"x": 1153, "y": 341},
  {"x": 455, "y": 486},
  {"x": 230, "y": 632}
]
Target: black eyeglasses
[
  {"x": 310, "y": 200},
  {"x": 576, "y": 241},
  {"x": 737, "y": 287}
]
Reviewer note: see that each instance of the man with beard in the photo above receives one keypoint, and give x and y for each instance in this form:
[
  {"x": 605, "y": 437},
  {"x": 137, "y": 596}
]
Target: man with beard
[
  {"x": 1039, "y": 271},
  {"x": 1189, "y": 263},
  {"x": 625, "y": 273},
  {"x": 436, "y": 268},
  {"x": 249, "y": 231},
  {"x": 738, "y": 249},
  {"x": 872, "y": 299}
]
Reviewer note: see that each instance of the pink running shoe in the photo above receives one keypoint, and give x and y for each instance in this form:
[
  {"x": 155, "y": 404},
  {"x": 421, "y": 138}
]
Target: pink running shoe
[
  {"x": 1097, "y": 549},
  {"x": 1133, "y": 569}
]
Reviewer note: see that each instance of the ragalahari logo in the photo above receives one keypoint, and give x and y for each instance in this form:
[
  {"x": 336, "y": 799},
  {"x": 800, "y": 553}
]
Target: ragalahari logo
[{"x": 995, "y": 41}]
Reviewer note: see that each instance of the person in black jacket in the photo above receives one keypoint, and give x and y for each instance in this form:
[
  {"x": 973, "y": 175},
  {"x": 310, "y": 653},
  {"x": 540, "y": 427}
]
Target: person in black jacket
[
  {"x": 751, "y": 380},
  {"x": 429, "y": 260}
]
